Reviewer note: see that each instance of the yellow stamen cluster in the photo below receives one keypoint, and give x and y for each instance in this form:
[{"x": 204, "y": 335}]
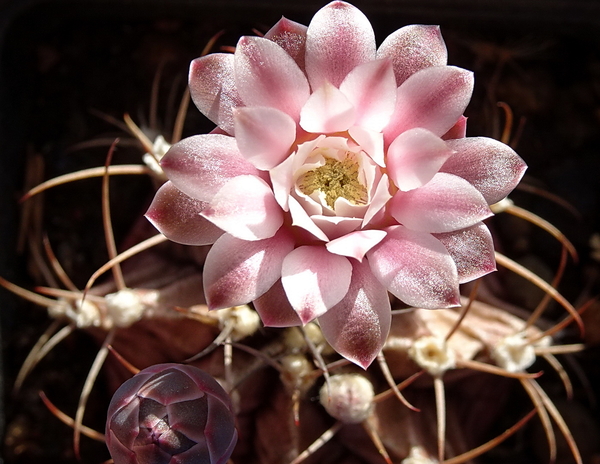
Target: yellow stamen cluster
[{"x": 335, "y": 179}]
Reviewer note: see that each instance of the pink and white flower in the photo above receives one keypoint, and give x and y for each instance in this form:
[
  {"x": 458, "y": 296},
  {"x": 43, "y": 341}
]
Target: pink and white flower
[{"x": 338, "y": 172}]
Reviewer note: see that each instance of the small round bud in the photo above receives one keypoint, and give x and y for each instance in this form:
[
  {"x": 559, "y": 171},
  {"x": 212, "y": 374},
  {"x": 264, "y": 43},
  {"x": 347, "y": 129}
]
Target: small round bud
[
  {"x": 432, "y": 354},
  {"x": 515, "y": 354},
  {"x": 247, "y": 322},
  {"x": 347, "y": 397},
  {"x": 170, "y": 413},
  {"x": 127, "y": 306}
]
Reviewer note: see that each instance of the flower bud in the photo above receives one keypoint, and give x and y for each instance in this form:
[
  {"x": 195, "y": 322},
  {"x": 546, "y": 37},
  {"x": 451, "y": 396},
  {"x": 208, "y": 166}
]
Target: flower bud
[{"x": 170, "y": 413}]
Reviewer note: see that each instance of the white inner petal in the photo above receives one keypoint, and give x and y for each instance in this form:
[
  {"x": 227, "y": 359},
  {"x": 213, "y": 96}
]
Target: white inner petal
[{"x": 337, "y": 175}]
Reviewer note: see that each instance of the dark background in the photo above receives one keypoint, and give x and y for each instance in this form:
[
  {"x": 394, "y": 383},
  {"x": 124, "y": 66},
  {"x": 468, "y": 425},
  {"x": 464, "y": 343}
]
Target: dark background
[{"x": 62, "y": 62}]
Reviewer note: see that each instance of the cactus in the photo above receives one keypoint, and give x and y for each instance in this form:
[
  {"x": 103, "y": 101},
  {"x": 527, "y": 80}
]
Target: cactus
[{"x": 399, "y": 376}]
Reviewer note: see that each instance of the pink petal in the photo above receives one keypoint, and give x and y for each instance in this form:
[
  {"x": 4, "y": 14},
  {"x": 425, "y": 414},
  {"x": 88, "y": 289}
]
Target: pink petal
[
  {"x": 445, "y": 204},
  {"x": 327, "y": 110},
  {"x": 338, "y": 39},
  {"x": 245, "y": 208},
  {"x": 274, "y": 308},
  {"x": 412, "y": 48},
  {"x": 416, "y": 268},
  {"x": 282, "y": 181},
  {"x": 314, "y": 280},
  {"x": 490, "y": 166},
  {"x": 371, "y": 88},
  {"x": 415, "y": 157},
  {"x": 200, "y": 165},
  {"x": 433, "y": 98},
  {"x": 458, "y": 130},
  {"x": 266, "y": 75},
  {"x": 264, "y": 135},
  {"x": 356, "y": 244},
  {"x": 238, "y": 271},
  {"x": 336, "y": 226},
  {"x": 358, "y": 326},
  {"x": 282, "y": 174},
  {"x": 301, "y": 219},
  {"x": 291, "y": 36},
  {"x": 177, "y": 216},
  {"x": 371, "y": 142},
  {"x": 213, "y": 90},
  {"x": 380, "y": 199},
  {"x": 472, "y": 250}
]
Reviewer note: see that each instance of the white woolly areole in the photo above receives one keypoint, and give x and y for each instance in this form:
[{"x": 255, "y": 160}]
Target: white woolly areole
[
  {"x": 515, "y": 354},
  {"x": 418, "y": 456},
  {"x": 159, "y": 148},
  {"x": 247, "y": 322},
  {"x": 85, "y": 314},
  {"x": 502, "y": 205},
  {"x": 347, "y": 397},
  {"x": 432, "y": 354},
  {"x": 294, "y": 339},
  {"x": 296, "y": 372},
  {"x": 125, "y": 307}
]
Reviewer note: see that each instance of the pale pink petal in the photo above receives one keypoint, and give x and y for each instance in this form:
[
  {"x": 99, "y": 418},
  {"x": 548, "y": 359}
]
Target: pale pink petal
[
  {"x": 336, "y": 226},
  {"x": 213, "y": 90},
  {"x": 314, "y": 280},
  {"x": 177, "y": 217},
  {"x": 274, "y": 308},
  {"x": 238, "y": 271},
  {"x": 458, "y": 130},
  {"x": 303, "y": 220},
  {"x": 245, "y": 208},
  {"x": 282, "y": 180},
  {"x": 356, "y": 244},
  {"x": 416, "y": 268},
  {"x": 445, "y": 204},
  {"x": 338, "y": 39},
  {"x": 291, "y": 36},
  {"x": 371, "y": 142},
  {"x": 380, "y": 199},
  {"x": 266, "y": 75},
  {"x": 433, "y": 98},
  {"x": 412, "y": 48},
  {"x": 472, "y": 250},
  {"x": 358, "y": 326},
  {"x": 415, "y": 157},
  {"x": 264, "y": 135},
  {"x": 201, "y": 164},
  {"x": 490, "y": 166},
  {"x": 371, "y": 88},
  {"x": 327, "y": 110}
]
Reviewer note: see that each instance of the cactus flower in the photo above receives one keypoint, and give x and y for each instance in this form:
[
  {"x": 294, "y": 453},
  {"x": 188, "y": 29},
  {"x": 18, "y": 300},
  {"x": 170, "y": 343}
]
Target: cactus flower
[
  {"x": 338, "y": 172},
  {"x": 170, "y": 413}
]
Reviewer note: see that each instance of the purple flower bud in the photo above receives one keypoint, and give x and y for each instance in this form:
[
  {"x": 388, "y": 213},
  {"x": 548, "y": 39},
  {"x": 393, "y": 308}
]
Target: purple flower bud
[{"x": 170, "y": 413}]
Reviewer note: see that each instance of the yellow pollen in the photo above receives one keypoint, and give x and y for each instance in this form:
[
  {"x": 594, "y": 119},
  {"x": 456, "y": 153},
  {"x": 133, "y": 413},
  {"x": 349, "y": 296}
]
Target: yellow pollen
[{"x": 335, "y": 179}]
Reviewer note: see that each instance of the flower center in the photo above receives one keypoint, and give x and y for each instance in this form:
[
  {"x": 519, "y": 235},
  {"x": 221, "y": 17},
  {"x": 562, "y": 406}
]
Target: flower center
[{"x": 335, "y": 179}]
